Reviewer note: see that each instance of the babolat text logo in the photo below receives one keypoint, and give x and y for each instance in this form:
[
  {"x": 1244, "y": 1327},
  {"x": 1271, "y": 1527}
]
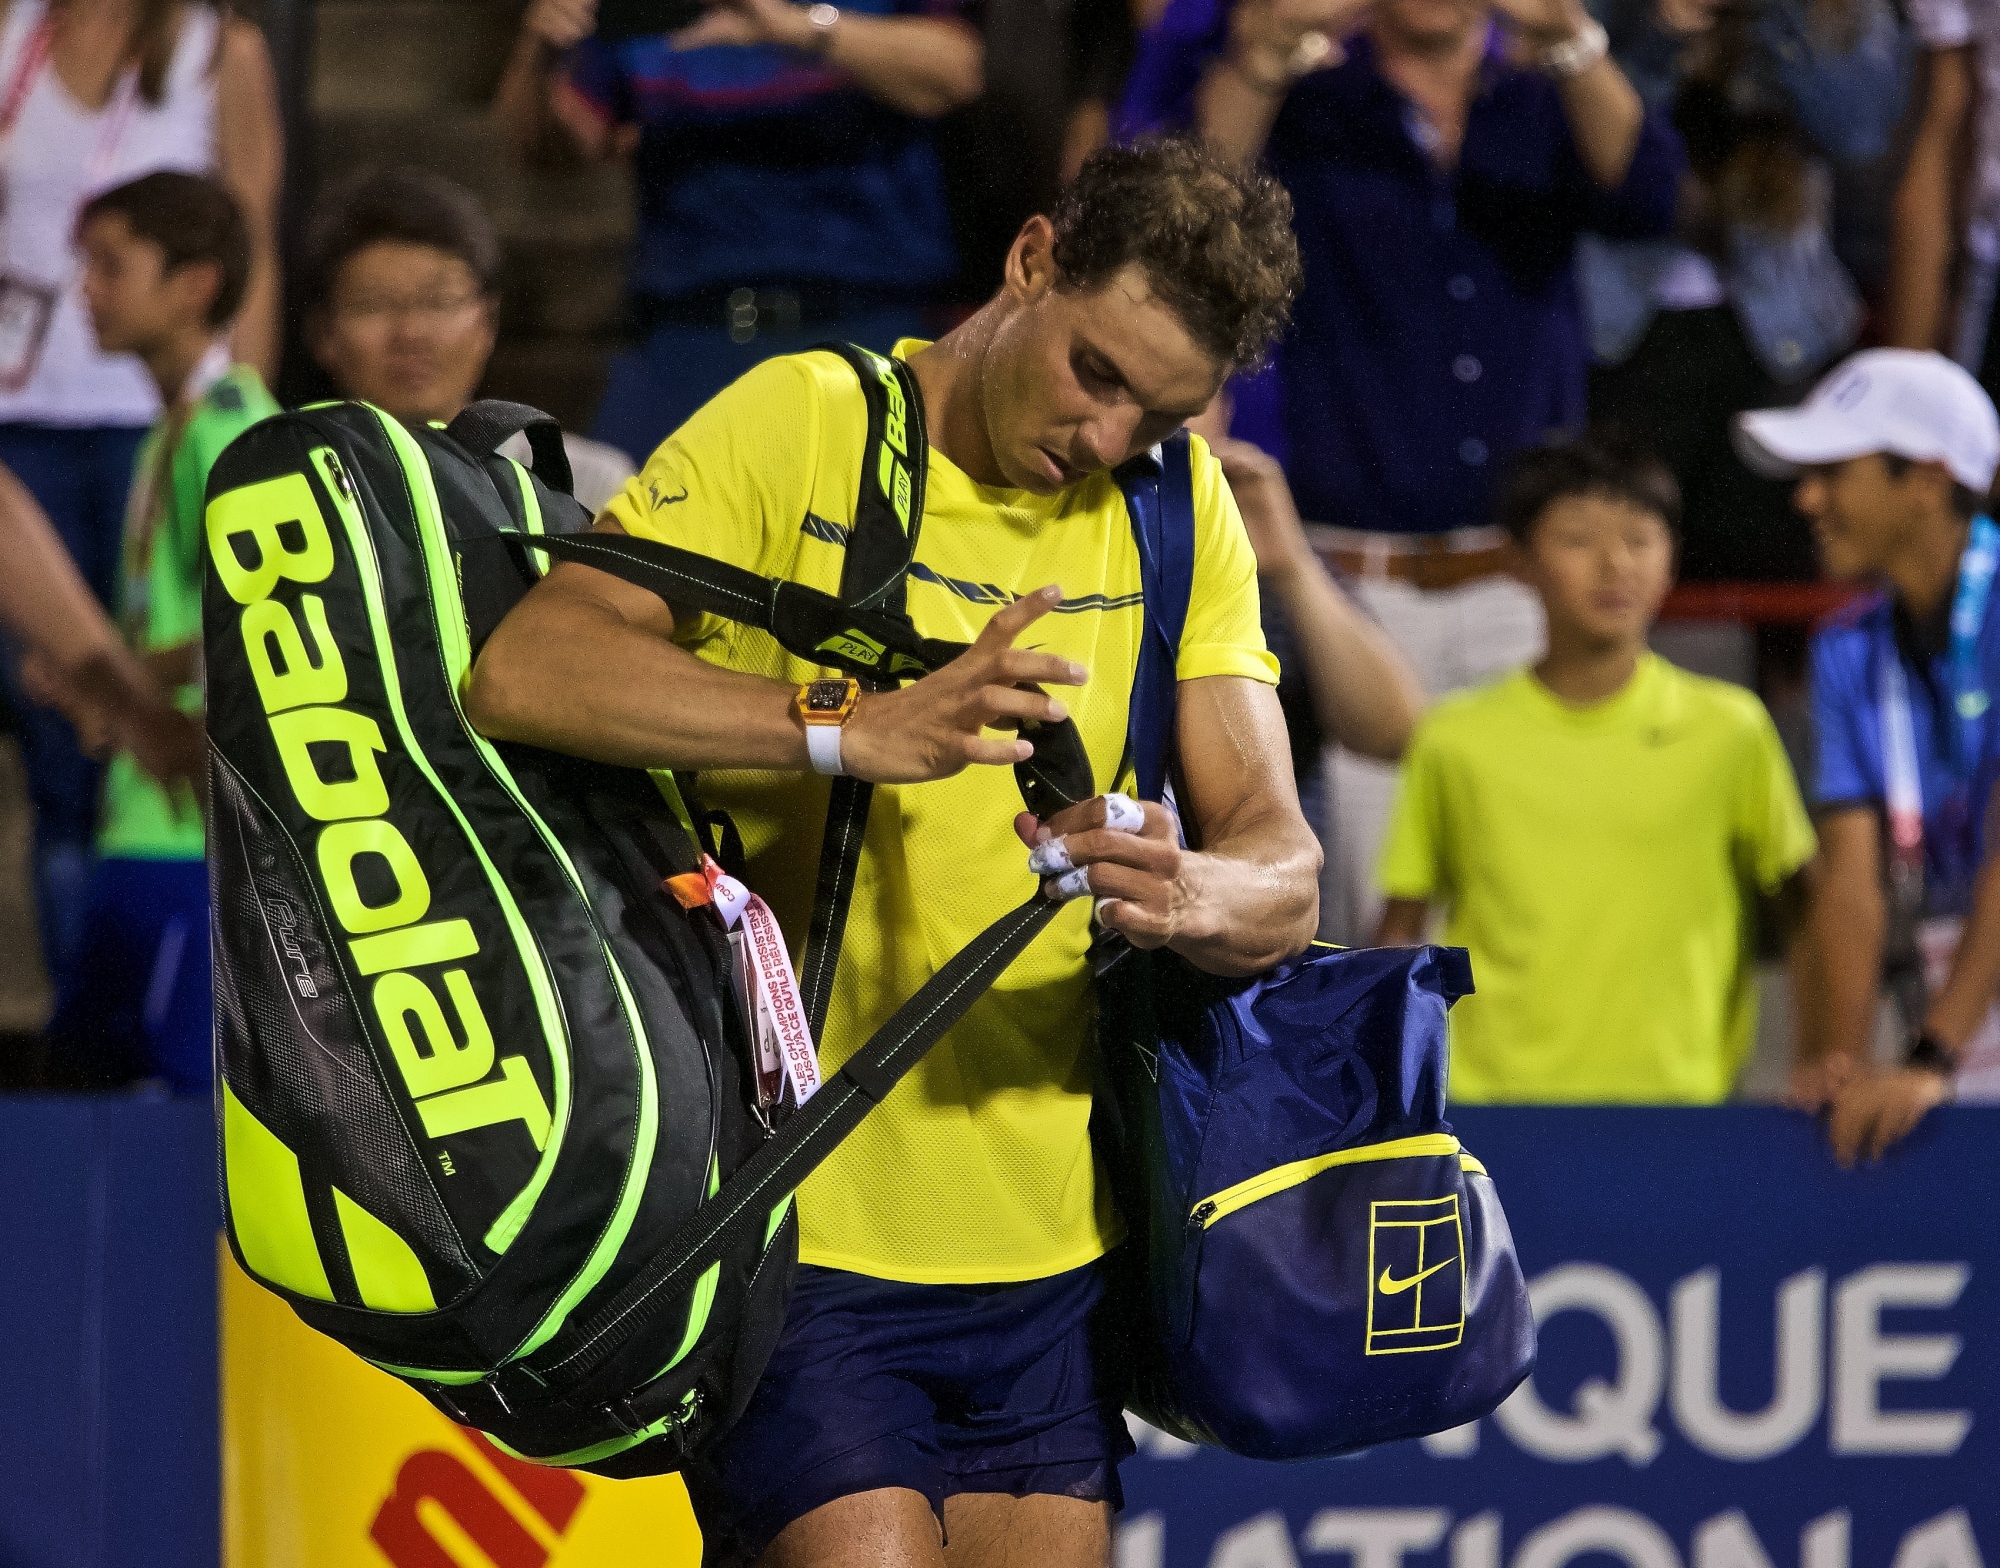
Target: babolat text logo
[
  {"x": 893, "y": 472},
  {"x": 259, "y": 535},
  {"x": 1416, "y": 1276}
]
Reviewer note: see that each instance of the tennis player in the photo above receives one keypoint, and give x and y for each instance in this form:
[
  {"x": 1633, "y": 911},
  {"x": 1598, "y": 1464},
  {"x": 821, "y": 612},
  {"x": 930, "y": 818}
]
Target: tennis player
[{"x": 943, "y": 1391}]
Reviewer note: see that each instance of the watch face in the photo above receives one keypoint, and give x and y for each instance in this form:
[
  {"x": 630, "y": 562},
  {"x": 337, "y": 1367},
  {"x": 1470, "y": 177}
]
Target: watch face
[{"x": 826, "y": 696}]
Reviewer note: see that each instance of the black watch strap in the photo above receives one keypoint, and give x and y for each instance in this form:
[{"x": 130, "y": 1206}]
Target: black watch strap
[{"x": 1929, "y": 1054}]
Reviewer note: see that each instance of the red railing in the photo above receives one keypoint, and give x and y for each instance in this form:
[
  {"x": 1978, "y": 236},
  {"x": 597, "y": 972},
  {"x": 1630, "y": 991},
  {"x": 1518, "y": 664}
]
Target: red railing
[{"x": 1764, "y": 604}]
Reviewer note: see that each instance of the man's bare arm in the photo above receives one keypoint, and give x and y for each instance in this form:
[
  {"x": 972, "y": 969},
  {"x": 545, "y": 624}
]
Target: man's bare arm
[
  {"x": 1846, "y": 927},
  {"x": 1403, "y": 922},
  {"x": 1957, "y": 1011},
  {"x": 1245, "y": 894},
  {"x": 1242, "y": 91},
  {"x": 1871, "y": 1112},
  {"x": 584, "y": 664},
  {"x": 1921, "y": 235}
]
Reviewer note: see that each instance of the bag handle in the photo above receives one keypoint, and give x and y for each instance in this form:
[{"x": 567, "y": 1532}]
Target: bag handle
[
  {"x": 1159, "y": 494},
  {"x": 481, "y": 427}
]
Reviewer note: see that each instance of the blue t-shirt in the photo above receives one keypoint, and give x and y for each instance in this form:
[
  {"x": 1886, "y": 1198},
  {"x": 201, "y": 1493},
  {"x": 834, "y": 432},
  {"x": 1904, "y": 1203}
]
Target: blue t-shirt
[
  {"x": 1847, "y": 652},
  {"x": 1438, "y": 331},
  {"x": 762, "y": 166}
]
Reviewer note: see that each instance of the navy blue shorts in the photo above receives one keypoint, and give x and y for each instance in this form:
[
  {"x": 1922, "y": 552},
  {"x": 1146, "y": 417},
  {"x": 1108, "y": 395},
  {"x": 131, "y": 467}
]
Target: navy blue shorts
[{"x": 936, "y": 1388}]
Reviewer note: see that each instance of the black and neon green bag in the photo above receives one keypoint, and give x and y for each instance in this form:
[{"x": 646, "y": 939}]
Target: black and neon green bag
[{"x": 487, "y": 1112}]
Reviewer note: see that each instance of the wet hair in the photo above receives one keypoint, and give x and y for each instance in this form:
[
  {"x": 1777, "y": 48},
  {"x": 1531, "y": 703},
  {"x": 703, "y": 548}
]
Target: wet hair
[
  {"x": 193, "y": 219},
  {"x": 404, "y": 205},
  {"x": 1604, "y": 465},
  {"x": 1213, "y": 236}
]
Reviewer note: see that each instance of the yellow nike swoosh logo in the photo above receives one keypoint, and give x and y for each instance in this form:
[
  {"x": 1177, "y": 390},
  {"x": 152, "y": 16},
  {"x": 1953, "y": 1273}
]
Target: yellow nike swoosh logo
[{"x": 1389, "y": 1285}]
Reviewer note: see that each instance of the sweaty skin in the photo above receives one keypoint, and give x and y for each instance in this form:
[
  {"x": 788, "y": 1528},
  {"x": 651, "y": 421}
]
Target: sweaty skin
[{"x": 1042, "y": 386}]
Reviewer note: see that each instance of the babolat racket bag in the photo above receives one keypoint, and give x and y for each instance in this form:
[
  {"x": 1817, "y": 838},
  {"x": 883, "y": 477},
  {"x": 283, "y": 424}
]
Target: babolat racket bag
[
  {"x": 490, "y": 1114},
  {"x": 1318, "y": 1266}
]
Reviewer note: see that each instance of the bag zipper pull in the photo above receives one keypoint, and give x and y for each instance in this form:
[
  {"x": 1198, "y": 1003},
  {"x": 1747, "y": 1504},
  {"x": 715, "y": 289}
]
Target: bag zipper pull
[
  {"x": 339, "y": 473},
  {"x": 1181, "y": 1326}
]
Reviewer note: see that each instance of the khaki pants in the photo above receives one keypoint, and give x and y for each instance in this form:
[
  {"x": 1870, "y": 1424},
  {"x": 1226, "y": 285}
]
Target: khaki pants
[{"x": 1453, "y": 638}]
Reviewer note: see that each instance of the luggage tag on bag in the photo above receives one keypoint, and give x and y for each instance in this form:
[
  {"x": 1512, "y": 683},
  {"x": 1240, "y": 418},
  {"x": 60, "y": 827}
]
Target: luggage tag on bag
[
  {"x": 766, "y": 989},
  {"x": 26, "y": 309}
]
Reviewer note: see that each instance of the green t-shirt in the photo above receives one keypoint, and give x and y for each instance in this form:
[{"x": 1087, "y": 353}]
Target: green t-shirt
[
  {"x": 159, "y": 601},
  {"x": 1599, "y": 863}
]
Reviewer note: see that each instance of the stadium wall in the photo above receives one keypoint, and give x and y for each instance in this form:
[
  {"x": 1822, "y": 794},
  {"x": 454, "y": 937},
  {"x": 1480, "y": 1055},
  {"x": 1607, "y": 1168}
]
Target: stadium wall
[{"x": 1749, "y": 1360}]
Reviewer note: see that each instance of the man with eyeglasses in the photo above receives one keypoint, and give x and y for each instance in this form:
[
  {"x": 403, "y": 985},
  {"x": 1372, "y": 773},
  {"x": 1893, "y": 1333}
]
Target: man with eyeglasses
[{"x": 401, "y": 306}]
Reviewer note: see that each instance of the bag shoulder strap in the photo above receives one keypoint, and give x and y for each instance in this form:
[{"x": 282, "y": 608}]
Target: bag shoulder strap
[
  {"x": 1159, "y": 494},
  {"x": 481, "y": 427},
  {"x": 888, "y": 513},
  {"x": 889, "y": 508},
  {"x": 742, "y": 1208}
]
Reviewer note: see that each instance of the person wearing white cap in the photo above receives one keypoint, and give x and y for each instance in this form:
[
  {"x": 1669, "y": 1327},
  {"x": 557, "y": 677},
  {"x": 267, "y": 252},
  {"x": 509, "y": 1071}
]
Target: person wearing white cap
[{"x": 1895, "y": 453}]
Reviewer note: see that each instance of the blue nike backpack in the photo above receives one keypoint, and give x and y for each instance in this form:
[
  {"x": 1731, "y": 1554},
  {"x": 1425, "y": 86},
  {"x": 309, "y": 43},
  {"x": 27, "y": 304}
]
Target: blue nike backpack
[{"x": 1315, "y": 1264}]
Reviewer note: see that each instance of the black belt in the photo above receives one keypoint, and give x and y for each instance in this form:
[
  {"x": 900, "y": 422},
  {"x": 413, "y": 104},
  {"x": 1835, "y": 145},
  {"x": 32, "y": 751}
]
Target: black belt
[{"x": 747, "y": 311}]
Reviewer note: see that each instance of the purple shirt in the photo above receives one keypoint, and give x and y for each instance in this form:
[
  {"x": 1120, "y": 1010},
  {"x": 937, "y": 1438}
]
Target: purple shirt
[{"x": 1439, "y": 329}]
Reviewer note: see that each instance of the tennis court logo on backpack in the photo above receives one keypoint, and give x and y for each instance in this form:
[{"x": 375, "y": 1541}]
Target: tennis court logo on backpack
[
  {"x": 1416, "y": 1276},
  {"x": 453, "y": 1085}
]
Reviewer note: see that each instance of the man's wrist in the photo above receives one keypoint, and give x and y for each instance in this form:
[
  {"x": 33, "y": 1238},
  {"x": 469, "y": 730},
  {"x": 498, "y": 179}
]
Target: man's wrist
[
  {"x": 1261, "y": 69},
  {"x": 822, "y": 25},
  {"x": 1576, "y": 50}
]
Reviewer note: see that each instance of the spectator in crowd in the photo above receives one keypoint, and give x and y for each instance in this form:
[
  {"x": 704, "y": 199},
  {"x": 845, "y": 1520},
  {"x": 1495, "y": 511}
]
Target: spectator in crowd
[
  {"x": 1894, "y": 454},
  {"x": 1341, "y": 678},
  {"x": 166, "y": 266},
  {"x": 1440, "y": 188},
  {"x": 399, "y": 284},
  {"x": 1748, "y": 297},
  {"x": 72, "y": 649},
  {"x": 93, "y": 93},
  {"x": 1053, "y": 70},
  {"x": 789, "y": 191},
  {"x": 1598, "y": 825},
  {"x": 1943, "y": 277}
]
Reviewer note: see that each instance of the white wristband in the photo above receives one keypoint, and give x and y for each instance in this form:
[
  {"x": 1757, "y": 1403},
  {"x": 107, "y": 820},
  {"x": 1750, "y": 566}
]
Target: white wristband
[{"x": 823, "y": 747}]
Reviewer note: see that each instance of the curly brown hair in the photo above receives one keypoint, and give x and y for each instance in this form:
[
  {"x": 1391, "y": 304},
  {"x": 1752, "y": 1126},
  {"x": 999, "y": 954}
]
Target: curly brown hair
[{"x": 1214, "y": 237}]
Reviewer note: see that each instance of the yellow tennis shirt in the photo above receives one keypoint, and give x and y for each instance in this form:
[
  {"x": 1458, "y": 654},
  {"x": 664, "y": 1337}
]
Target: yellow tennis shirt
[
  {"x": 1599, "y": 863},
  {"x": 977, "y": 1168}
]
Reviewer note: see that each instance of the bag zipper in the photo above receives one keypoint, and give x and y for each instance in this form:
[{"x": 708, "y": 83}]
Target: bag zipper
[
  {"x": 1282, "y": 1178},
  {"x": 1221, "y": 1205}
]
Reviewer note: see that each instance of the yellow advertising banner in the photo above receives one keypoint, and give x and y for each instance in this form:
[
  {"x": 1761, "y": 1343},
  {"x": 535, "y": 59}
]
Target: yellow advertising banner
[{"x": 327, "y": 1463}]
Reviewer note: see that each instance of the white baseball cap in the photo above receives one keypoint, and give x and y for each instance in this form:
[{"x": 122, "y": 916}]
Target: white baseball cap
[{"x": 1906, "y": 402}]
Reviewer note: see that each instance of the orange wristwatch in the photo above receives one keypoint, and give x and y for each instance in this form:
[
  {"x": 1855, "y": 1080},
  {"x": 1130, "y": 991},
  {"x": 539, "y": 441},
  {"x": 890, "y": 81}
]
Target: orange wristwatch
[{"x": 825, "y": 705}]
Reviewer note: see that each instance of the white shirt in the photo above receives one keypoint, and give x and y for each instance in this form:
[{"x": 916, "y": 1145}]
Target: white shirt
[{"x": 58, "y": 156}]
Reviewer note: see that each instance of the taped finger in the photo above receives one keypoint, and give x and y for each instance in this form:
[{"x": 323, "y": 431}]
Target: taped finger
[
  {"x": 1073, "y": 884},
  {"x": 1048, "y": 858},
  {"x": 1123, "y": 814}
]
